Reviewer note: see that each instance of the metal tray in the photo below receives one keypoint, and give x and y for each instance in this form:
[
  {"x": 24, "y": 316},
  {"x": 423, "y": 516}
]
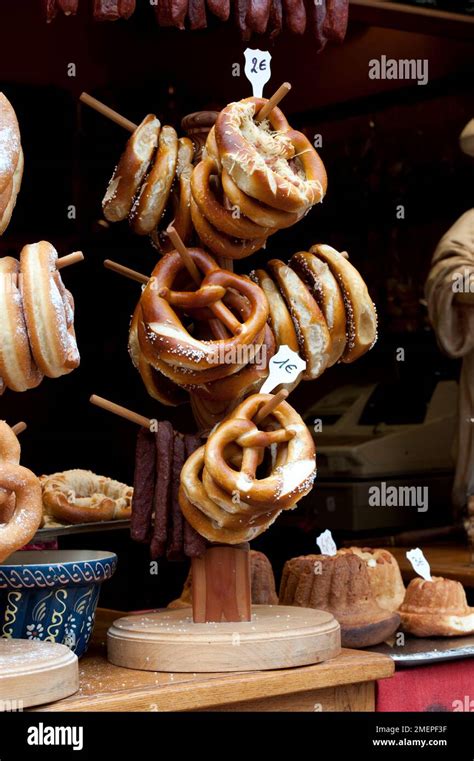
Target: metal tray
[
  {"x": 418, "y": 651},
  {"x": 52, "y": 532}
]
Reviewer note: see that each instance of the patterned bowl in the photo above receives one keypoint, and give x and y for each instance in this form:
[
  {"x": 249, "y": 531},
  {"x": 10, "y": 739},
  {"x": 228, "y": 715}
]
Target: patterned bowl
[{"x": 52, "y": 595}]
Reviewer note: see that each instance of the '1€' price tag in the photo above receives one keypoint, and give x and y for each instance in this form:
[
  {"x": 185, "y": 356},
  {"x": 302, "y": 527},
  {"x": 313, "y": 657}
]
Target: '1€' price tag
[
  {"x": 326, "y": 543},
  {"x": 420, "y": 563},
  {"x": 257, "y": 69},
  {"x": 285, "y": 366}
]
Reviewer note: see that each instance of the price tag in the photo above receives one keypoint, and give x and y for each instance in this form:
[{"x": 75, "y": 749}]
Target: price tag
[
  {"x": 285, "y": 366},
  {"x": 326, "y": 543},
  {"x": 420, "y": 563},
  {"x": 257, "y": 69}
]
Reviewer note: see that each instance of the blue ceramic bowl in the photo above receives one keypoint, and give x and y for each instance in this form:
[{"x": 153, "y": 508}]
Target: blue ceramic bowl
[{"x": 52, "y": 595}]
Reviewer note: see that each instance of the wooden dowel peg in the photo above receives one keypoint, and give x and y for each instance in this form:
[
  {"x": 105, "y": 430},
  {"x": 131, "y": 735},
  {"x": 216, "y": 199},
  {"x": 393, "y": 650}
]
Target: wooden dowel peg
[
  {"x": 109, "y": 113},
  {"x": 19, "y": 428},
  {"x": 117, "y": 409},
  {"x": 277, "y": 96},
  {"x": 184, "y": 253},
  {"x": 66, "y": 261},
  {"x": 271, "y": 405},
  {"x": 126, "y": 271},
  {"x": 345, "y": 254}
]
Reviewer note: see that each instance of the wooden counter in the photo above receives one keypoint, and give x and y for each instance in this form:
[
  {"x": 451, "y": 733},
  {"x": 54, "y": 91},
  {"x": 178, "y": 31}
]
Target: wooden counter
[
  {"x": 450, "y": 561},
  {"x": 346, "y": 683}
]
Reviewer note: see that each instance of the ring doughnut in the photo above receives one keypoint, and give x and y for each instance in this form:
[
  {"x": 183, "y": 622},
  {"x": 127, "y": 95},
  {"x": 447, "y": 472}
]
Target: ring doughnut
[
  {"x": 311, "y": 328},
  {"x": 210, "y": 207},
  {"x": 325, "y": 290},
  {"x": 49, "y": 311},
  {"x": 268, "y": 160},
  {"x": 221, "y": 244},
  {"x": 28, "y": 510},
  {"x": 274, "y": 219},
  {"x": 153, "y": 195},
  {"x": 17, "y": 367},
  {"x": 131, "y": 169},
  {"x": 361, "y": 315}
]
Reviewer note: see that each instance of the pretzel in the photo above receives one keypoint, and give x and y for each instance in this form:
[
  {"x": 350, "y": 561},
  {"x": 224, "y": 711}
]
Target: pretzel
[
  {"x": 17, "y": 367},
  {"x": 313, "y": 335},
  {"x": 10, "y": 142},
  {"x": 80, "y": 496},
  {"x": 9, "y": 195},
  {"x": 182, "y": 217},
  {"x": 28, "y": 510},
  {"x": 158, "y": 386},
  {"x": 263, "y": 215},
  {"x": 210, "y": 149},
  {"x": 361, "y": 315},
  {"x": 132, "y": 168},
  {"x": 10, "y": 451},
  {"x": 324, "y": 288},
  {"x": 168, "y": 339},
  {"x": 258, "y": 156},
  {"x": 280, "y": 318},
  {"x": 286, "y": 484},
  {"x": 153, "y": 195},
  {"x": 213, "y": 210},
  {"x": 49, "y": 311},
  {"x": 220, "y": 244}
]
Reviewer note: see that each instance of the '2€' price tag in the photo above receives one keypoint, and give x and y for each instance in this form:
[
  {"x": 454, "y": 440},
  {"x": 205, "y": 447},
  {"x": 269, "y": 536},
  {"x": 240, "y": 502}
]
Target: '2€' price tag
[
  {"x": 285, "y": 366},
  {"x": 326, "y": 543},
  {"x": 257, "y": 69},
  {"x": 420, "y": 563}
]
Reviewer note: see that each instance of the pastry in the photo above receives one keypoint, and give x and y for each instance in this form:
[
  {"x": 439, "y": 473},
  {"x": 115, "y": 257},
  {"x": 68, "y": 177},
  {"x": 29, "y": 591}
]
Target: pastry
[
  {"x": 11, "y": 161},
  {"x": 339, "y": 584},
  {"x": 27, "y": 512},
  {"x": 152, "y": 197},
  {"x": 384, "y": 574},
  {"x": 436, "y": 608},
  {"x": 80, "y": 496}
]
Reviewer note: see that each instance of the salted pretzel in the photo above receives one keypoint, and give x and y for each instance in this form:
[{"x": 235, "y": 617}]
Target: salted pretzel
[
  {"x": 286, "y": 484},
  {"x": 219, "y": 243},
  {"x": 268, "y": 160},
  {"x": 361, "y": 315},
  {"x": 49, "y": 311},
  {"x": 153, "y": 195},
  {"x": 182, "y": 222},
  {"x": 158, "y": 386},
  {"x": 311, "y": 327},
  {"x": 265, "y": 216},
  {"x": 327, "y": 293},
  {"x": 131, "y": 170},
  {"x": 28, "y": 509},
  {"x": 10, "y": 451},
  {"x": 167, "y": 337},
  {"x": 80, "y": 496},
  {"x": 280, "y": 319},
  {"x": 210, "y": 148},
  {"x": 17, "y": 366},
  {"x": 214, "y": 211}
]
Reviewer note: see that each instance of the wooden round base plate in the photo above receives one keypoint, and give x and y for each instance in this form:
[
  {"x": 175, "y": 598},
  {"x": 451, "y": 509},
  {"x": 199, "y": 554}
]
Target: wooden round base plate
[
  {"x": 276, "y": 637},
  {"x": 33, "y": 672}
]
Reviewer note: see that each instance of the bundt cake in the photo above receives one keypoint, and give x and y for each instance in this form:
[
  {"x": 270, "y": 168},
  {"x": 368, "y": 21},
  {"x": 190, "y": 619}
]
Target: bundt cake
[
  {"x": 262, "y": 583},
  {"x": 340, "y": 585},
  {"x": 436, "y": 608},
  {"x": 384, "y": 574}
]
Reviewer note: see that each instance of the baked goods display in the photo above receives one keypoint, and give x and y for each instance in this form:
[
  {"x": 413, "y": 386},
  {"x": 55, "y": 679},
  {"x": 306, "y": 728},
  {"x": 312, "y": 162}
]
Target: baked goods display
[
  {"x": 327, "y": 20},
  {"x": 235, "y": 486},
  {"x": 80, "y": 496},
  {"x": 436, "y": 608},
  {"x": 11, "y": 161},
  {"x": 262, "y": 583},
  {"x": 384, "y": 574},
  {"x": 37, "y": 335},
  {"x": 20, "y": 497},
  {"x": 157, "y": 519},
  {"x": 341, "y": 585}
]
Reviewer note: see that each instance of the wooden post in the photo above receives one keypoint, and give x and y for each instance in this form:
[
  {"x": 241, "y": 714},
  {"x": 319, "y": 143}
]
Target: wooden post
[{"x": 221, "y": 589}]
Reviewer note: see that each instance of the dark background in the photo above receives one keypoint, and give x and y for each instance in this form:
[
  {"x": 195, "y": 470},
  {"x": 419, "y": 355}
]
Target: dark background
[{"x": 384, "y": 143}]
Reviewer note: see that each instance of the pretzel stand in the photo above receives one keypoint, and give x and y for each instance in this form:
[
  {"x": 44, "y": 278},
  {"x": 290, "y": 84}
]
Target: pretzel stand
[{"x": 222, "y": 632}]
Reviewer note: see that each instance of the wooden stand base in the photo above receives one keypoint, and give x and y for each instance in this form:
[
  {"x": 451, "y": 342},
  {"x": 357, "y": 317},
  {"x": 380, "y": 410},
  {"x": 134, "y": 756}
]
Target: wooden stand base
[
  {"x": 33, "y": 673},
  {"x": 277, "y": 637}
]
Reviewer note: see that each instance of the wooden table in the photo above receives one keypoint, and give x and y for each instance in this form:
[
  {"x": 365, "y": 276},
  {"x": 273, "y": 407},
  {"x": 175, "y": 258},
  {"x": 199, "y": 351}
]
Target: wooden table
[
  {"x": 346, "y": 683},
  {"x": 450, "y": 561}
]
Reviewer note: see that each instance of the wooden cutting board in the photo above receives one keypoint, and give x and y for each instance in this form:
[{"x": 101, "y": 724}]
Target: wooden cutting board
[
  {"x": 277, "y": 637},
  {"x": 33, "y": 672}
]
